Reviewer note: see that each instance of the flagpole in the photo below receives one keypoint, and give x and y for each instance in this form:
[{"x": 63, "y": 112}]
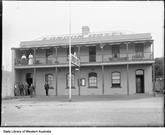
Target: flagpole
[{"x": 70, "y": 70}]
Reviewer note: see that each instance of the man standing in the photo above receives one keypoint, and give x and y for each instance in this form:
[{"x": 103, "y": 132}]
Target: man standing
[
  {"x": 46, "y": 88},
  {"x": 31, "y": 89},
  {"x": 16, "y": 90},
  {"x": 21, "y": 89},
  {"x": 26, "y": 88}
]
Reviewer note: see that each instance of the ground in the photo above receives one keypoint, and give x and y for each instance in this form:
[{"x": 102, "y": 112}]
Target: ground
[{"x": 134, "y": 110}]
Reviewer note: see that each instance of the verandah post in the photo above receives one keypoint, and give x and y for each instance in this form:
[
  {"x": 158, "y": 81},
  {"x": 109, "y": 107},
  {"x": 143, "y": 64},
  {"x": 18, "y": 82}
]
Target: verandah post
[
  {"x": 153, "y": 68},
  {"x": 102, "y": 55},
  {"x": 127, "y": 69},
  {"x": 79, "y": 72}
]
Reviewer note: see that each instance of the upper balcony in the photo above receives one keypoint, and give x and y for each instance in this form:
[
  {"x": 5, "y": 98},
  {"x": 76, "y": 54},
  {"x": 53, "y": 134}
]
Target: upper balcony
[
  {"x": 95, "y": 59},
  {"x": 93, "y": 54},
  {"x": 105, "y": 48}
]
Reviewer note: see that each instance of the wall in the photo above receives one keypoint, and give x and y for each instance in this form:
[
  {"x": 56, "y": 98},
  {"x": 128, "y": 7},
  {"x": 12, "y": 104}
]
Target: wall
[
  {"x": 6, "y": 83},
  {"x": 108, "y": 80},
  {"x": 147, "y": 78},
  {"x": 85, "y": 90},
  {"x": 40, "y": 81}
]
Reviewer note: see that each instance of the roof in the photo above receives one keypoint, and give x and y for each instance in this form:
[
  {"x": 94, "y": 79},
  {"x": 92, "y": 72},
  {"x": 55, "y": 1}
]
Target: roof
[{"x": 91, "y": 38}]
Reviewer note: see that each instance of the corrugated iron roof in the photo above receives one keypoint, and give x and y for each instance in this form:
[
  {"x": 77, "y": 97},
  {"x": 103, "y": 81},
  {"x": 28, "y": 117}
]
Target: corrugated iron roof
[{"x": 104, "y": 37}]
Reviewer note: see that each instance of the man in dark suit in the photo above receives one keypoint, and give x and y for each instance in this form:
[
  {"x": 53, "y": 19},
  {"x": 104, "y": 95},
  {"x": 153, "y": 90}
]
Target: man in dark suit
[{"x": 46, "y": 88}]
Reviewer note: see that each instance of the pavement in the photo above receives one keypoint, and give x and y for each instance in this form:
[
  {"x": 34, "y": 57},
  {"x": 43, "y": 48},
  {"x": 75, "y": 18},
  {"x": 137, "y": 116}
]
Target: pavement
[{"x": 105, "y": 110}]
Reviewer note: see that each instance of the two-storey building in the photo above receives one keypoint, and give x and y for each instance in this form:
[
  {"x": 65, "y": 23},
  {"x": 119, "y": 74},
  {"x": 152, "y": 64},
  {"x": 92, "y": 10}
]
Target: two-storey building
[{"x": 110, "y": 63}]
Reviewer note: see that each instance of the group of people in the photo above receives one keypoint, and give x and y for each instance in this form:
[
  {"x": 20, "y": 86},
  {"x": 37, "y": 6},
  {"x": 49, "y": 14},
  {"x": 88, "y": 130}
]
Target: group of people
[
  {"x": 27, "y": 61},
  {"x": 24, "y": 89}
]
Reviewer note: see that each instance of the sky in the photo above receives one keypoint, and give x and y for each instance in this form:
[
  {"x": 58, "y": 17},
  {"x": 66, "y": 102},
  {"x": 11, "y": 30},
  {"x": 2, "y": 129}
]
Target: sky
[{"x": 29, "y": 20}]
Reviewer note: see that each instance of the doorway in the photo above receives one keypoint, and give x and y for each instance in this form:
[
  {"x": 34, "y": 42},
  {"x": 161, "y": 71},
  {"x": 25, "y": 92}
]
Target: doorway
[
  {"x": 139, "y": 81},
  {"x": 29, "y": 80}
]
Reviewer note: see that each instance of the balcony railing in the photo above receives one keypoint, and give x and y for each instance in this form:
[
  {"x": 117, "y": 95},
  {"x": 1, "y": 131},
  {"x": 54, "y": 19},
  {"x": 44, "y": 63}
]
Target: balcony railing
[
  {"x": 143, "y": 56},
  {"x": 108, "y": 58}
]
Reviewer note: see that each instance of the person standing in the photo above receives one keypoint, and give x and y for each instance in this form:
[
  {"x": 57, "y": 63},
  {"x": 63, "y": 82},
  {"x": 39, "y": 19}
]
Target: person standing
[
  {"x": 26, "y": 88},
  {"x": 30, "y": 59},
  {"x": 31, "y": 89},
  {"x": 23, "y": 59},
  {"x": 21, "y": 89},
  {"x": 46, "y": 88},
  {"x": 16, "y": 90}
]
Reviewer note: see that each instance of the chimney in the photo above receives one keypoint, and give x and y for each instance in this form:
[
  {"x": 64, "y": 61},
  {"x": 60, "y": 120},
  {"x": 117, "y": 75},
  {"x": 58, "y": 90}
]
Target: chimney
[{"x": 85, "y": 31}]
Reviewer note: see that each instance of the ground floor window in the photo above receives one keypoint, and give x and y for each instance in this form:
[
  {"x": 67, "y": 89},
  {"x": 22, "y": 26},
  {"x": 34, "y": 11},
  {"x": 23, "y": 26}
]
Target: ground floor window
[
  {"x": 72, "y": 80},
  {"x": 49, "y": 79},
  {"x": 116, "y": 79},
  {"x": 92, "y": 80}
]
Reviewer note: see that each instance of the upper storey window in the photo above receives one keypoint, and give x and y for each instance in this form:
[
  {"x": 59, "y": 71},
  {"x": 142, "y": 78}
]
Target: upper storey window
[
  {"x": 49, "y": 56},
  {"x": 115, "y": 51},
  {"x": 92, "y": 53},
  {"x": 139, "y": 50}
]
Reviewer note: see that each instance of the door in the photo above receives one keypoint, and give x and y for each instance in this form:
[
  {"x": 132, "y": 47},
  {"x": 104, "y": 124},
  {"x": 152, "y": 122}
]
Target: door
[
  {"x": 139, "y": 84},
  {"x": 29, "y": 80},
  {"x": 139, "y": 81}
]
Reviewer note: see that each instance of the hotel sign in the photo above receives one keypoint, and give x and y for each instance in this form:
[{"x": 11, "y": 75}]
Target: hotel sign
[{"x": 75, "y": 60}]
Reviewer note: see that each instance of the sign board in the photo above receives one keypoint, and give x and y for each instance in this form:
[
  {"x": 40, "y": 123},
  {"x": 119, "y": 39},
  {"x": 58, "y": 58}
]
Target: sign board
[{"x": 75, "y": 60}]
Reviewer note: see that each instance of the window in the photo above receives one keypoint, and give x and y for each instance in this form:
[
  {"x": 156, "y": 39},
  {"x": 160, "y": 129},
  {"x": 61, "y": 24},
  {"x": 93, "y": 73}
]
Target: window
[
  {"x": 82, "y": 82},
  {"x": 49, "y": 56},
  {"x": 72, "y": 50},
  {"x": 139, "y": 72},
  {"x": 92, "y": 80},
  {"x": 139, "y": 51},
  {"x": 92, "y": 53},
  {"x": 72, "y": 80},
  {"x": 116, "y": 79},
  {"x": 49, "y": 79},
  {"x": 115, "y": 51}
]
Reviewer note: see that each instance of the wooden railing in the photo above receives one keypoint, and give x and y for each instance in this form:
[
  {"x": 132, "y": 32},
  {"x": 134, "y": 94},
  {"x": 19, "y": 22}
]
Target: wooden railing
[{"x": 85, "y": 59}]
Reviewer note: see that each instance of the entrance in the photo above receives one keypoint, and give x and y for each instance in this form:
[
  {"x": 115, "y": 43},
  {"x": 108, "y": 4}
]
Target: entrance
[
  {"x": 139, "y": 81},
  {"x": 29, "y": 80}
]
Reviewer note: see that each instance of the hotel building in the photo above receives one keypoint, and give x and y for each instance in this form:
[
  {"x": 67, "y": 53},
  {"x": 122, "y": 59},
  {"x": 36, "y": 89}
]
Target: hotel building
[{"x": 110, "y": 63}]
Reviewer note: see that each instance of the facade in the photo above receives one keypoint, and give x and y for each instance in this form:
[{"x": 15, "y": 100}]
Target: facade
[
  {"x": 110, "y": 63},
  {"x": 6, "y": 83}
]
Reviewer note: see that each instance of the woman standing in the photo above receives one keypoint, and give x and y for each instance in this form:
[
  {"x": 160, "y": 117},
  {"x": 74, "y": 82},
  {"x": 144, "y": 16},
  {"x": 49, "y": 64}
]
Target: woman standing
[{"x": 30, "y": 59}]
